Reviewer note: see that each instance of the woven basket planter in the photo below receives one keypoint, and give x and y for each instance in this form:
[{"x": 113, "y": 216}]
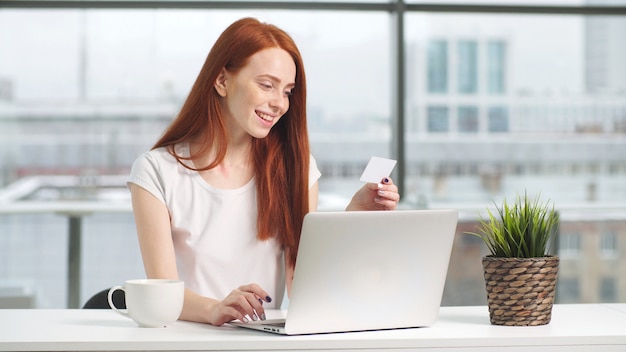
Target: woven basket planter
[{"x": 520, "y": 291}]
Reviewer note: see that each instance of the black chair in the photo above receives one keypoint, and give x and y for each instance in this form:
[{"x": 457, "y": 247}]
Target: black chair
[{"x": 101, "y": 301}]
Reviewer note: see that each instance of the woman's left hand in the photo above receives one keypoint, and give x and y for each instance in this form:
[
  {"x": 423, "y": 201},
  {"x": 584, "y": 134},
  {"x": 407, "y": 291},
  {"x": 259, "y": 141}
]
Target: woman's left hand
[{"x": 373, "y": 196}]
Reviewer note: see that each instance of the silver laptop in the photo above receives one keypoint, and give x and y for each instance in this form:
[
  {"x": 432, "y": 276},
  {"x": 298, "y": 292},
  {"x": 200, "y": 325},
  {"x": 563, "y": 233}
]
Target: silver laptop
[{"x": 367, "y": 270}]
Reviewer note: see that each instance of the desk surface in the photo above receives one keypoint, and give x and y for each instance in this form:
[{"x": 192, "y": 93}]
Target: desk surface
[{"x": 580, "y": 327}]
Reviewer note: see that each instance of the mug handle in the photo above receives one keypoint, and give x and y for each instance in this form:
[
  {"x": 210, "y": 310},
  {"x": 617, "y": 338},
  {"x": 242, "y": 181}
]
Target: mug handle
[{"x": 112, "y": 305}]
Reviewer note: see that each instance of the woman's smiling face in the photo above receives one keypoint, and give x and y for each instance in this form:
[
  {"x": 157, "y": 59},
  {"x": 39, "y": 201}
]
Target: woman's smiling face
[{"x": 257, "y": 96}]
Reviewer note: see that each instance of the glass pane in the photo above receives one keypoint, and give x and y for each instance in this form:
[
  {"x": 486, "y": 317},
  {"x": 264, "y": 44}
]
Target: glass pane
[
  {"x": 608, "y": 290},
  {"x": 496, "y": 105},
  {"x": 437, "y": 66},
  {"x": 496, "y": 64},
  {"x": 438, "y": 119},
  {"x": 609, "y": 244},
  {"x": 498, "y": 118},
  {"x": 468, "y": 118},
  {"x": 83, "y": 92},
  {"x": 568, "y": 291},
  {"x": 546, "y": 95},
  {"x": 522, "y": 103},
  {"x": 138, "y": 65},
  {"x": 467, "y": 66}
]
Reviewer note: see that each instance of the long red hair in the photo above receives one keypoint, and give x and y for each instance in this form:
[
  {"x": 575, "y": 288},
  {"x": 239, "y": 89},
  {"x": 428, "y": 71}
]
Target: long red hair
[{"x": 281, "y": 160}]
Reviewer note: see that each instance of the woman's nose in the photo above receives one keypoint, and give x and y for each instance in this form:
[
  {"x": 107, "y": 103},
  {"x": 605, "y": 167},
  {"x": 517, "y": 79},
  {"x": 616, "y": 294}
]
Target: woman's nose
[{"x": 279, "y": 101}]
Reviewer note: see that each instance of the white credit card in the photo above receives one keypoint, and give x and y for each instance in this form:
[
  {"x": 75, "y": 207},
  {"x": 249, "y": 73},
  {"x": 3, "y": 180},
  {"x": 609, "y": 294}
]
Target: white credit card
[{"x": 377, "y": 169}]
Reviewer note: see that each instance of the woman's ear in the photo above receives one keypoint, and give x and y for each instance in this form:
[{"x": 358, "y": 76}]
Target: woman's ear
[{"x": 220, "y": 83}]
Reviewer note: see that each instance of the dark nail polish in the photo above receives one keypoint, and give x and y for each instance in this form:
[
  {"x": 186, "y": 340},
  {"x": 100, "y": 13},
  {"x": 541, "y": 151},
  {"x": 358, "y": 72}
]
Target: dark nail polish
[
  {"x": 268, "y": 299},
  {"x": 260, "y": 301},
  {"x": 385, "y": 180}
]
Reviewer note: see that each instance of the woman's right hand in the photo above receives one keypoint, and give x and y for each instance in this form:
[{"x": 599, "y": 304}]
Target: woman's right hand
[{"x": 244, "y": 303}]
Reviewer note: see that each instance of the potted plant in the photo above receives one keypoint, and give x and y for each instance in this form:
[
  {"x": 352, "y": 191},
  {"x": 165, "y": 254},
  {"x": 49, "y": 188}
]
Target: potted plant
[{"x": 520, "y": 271}]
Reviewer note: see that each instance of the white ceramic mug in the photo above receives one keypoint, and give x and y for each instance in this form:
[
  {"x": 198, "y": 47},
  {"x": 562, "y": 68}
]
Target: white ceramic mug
[{"x": 151, "y": 302}]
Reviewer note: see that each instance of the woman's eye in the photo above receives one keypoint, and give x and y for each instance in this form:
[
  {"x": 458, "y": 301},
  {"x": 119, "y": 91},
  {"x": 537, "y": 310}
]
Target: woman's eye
[
  {"x": 266, "y": 85},
  {"x": 288, "y": 93}
]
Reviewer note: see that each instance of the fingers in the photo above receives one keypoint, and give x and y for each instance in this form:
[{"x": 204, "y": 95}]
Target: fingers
[
  {"x": 376, "y": 196},
  {"x": 246, "y": 303},
  {"x": 261, "y": 295},
  {"x": 387, "y": 194}
]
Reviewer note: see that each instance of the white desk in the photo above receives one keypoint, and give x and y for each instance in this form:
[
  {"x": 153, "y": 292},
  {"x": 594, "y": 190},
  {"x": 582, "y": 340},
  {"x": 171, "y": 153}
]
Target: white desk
[{"x": 584, "y": 327}]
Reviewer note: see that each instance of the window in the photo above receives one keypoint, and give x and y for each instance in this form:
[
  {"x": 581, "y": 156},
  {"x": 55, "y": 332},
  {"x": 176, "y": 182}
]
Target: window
[
  {"x": 608, "y": 244},
  {"x": 84, "y": 92},
  {"x": 496, "y": 67},
  {"x": 467, "y": 66},
  {"x": 602, "y": 73},
  {"x": 438, "y": 66},
  {"x": 569, "y": 245},
  {"x": 498, "y": 118},
  {"x": 528, "y": 99},
  {"x": 608, "y": 290},
  {"x": 568, "y": 290},
  {"x": 438, "y": 119},
  {"x": 468, "y": 119}
]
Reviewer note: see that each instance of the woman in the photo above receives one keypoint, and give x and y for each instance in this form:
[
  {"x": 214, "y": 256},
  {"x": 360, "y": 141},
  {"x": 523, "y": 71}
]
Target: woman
[{"x": 219, "y": 200}]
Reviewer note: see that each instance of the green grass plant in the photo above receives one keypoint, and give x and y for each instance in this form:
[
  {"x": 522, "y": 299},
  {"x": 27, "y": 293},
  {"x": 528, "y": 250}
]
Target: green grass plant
[{"x": 522, "y": 229}]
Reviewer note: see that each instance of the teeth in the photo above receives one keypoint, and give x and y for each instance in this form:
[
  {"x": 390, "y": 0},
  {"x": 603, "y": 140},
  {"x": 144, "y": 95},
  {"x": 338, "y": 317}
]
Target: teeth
[{"x": 265, "y": 116}]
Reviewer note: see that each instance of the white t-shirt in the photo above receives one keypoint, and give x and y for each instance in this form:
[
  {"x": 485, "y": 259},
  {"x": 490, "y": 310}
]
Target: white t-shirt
[{"x": 214, "y": 230}]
